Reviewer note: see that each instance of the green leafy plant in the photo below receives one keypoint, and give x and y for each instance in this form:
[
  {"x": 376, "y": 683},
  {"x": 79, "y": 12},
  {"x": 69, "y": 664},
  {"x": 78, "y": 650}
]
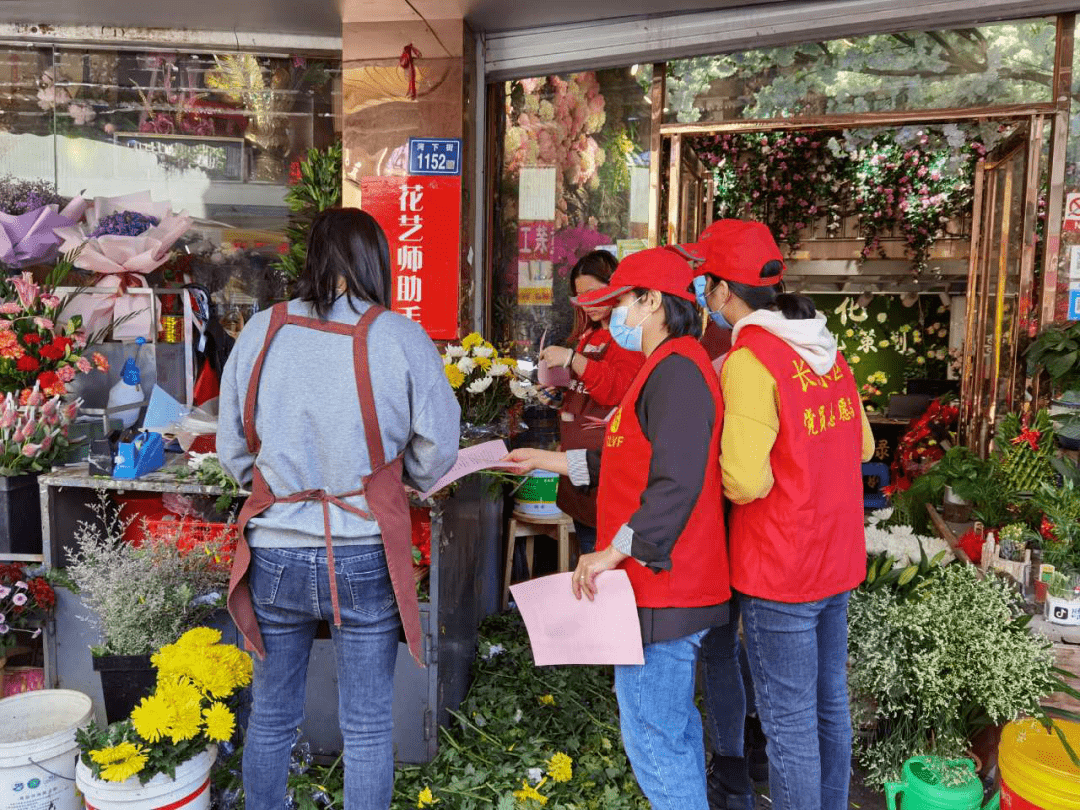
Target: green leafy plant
[
  {"x": 207, "y": 470},
  {"x": 1023, "y": 448},
  {"x": 146, "y": 596},
  {"x": 1057, "y": 350},
  {"x": 317, "y": 187},
  {"x": 936, "y": 656}
]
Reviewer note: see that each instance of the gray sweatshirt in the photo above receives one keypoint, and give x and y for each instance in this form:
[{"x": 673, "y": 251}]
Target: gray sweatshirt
[{"x": 308, "y": 418}]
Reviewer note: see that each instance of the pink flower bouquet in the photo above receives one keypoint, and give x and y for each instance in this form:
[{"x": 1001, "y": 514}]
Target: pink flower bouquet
[
  {"x": 29, "y": 213},
  {"x": 33, "y": 435},
  {"x": 122, "y": 240}
]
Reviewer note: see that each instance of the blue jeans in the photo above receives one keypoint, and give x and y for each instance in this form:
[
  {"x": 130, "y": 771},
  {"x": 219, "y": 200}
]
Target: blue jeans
[
  {"x": 586, "y": 537},
  {"x": 798, "y": 657},
  {"x": 291, "y": 593},
  {"x": 661, "y": 726},
  {"x": 729, "y": 697}
]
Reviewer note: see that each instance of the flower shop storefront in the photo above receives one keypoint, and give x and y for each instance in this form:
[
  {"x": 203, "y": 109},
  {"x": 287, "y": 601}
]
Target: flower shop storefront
[{"x": 914, "y": 181}]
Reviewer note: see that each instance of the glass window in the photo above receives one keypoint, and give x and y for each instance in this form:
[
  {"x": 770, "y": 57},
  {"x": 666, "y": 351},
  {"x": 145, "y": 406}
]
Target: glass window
[
  {"x": 1003, "y": 63},
  {"x": 575, "y": 177}
]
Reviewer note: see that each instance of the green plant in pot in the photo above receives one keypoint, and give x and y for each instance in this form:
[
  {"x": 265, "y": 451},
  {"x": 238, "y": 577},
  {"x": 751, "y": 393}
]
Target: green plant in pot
[
  {"x": 314, "y": 187},
  {"x": 1057, "y": 351},
  {"x": 141, "y": 597}
]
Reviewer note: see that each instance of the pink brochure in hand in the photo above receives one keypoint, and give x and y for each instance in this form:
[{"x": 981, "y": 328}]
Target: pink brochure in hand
[
  {"x": 485, "y": 456},
  {"x": 564, "y": 630},
  {"x": 552, "y": 376}
]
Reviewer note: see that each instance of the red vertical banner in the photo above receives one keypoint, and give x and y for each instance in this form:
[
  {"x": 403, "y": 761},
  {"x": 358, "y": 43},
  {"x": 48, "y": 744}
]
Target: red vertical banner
[{"x": 422, "y": 220}]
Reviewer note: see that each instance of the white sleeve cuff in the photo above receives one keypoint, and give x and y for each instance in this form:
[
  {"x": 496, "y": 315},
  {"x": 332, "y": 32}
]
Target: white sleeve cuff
[
  {"x": 578, "y": 468},
  {"x": 624, "y": 540}
]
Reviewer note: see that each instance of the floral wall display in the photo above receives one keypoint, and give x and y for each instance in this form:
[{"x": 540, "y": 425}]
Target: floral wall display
[
  {"x": 592, "y": 129},
  {"x": 887, "y": 342},
  {"x": 911, "y": 180}
]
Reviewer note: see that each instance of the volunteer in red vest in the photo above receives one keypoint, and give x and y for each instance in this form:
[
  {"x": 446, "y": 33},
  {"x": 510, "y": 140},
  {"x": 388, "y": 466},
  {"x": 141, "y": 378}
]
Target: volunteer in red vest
[
  {"x": 659, "y": 517},
  {"x": 602, "y": 371},
  {"x": 794, "y": 437}
]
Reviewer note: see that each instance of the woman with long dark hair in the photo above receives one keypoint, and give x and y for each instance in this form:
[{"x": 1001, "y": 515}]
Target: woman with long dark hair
[
  {"x": 327, "y": 402},
  {"x": 794, "y": 437},
  {"x": 601, "y": 371}
]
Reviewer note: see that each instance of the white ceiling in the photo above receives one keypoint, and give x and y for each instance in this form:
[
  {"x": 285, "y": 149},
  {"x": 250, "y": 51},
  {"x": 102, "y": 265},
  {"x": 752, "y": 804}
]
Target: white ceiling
[{"x": 322, "y": 18}]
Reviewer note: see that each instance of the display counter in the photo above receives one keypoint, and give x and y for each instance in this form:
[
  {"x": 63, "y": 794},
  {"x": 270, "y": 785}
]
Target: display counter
[{"x": 460, "y": 591}]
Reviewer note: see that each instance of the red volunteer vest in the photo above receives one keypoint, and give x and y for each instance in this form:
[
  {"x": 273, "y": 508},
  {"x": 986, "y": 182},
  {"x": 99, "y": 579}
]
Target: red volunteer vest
[
  {"x": 699, "y": 569},
  {"x": 804, "y": 541}
]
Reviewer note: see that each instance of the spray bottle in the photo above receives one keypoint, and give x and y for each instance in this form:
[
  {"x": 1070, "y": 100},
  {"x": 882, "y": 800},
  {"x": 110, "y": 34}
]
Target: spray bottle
[{"x": 128, "y": 389}]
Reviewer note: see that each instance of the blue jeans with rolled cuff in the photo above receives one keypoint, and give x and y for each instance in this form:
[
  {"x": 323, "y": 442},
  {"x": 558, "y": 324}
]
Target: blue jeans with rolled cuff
[
  {"x": 798, "y": 657},
  {"x": 290, "y": 589},
  {"x": 661, "y": 726}
]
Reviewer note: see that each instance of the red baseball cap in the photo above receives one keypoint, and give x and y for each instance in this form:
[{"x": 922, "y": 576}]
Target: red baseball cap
[
  {"x": 735, "y": 250},
  {"x": 653, "y": 269}
]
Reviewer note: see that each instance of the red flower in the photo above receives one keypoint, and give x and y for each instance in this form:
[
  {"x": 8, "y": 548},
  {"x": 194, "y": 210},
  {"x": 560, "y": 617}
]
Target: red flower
[
  {"x": 31, "y": 339},
  {"x": 52, "y": 352},
  {"x": 42, "y": 593},
  {"x": 50, "y": 384},
  {"x": 61, "y": 342},
  {"x": 27, "y": 363}
]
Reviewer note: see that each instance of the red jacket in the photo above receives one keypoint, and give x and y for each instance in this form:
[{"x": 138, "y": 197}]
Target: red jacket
[
  {"x": 699, "y": 568},
  {"x": 804, "y": 541}
]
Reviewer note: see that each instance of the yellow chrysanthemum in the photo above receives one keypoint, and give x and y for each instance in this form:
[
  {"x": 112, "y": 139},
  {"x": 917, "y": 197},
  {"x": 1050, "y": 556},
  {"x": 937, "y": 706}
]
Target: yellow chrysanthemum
[
  {"x": 120, "y": 762},
  {"x": 216, "y": 669},
  {"x": 528, "y": 792},
  {"x": 547, "y": 700},
  {"x": 454, "y": 376},
  {"x": 484, "y": 362},
  {"x": 220, "y": 722},
  {"x": 184, "y": 701},
  {"x": 560, "y": 767},
  {"x": 152, "y": 718},
  {"x": 426, "y": 798},
  {"x": 472, "y": 339},
  {"x": 199, "y": 637}
]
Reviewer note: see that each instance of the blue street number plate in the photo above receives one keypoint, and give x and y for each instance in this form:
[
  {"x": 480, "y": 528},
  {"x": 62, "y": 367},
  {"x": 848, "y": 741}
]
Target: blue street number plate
[{"x": 435, "y": 156}]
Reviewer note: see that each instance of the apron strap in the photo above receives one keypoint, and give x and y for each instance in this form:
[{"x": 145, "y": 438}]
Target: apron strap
[
  {"x": 278, "y": 315},
  {"x": 363, "y": 386}
]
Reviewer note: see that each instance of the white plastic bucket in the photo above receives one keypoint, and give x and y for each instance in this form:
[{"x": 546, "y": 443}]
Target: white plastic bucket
[
  {"x": 38, "y": 751},
  {"x": 190, "y": 790}
]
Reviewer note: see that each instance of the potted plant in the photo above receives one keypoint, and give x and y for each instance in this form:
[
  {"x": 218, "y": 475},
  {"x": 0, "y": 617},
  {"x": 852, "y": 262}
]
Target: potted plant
[
  {"x": 1057, "y": 351},
  {"x": 26, "y": 600},
  {"x": 143, "y": 596},
  {"x": 162, "y": 753}
]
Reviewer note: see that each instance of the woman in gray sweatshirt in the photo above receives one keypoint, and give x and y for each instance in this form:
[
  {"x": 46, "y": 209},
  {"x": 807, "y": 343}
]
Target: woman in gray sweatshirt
[{"x": 327, "y": 402}]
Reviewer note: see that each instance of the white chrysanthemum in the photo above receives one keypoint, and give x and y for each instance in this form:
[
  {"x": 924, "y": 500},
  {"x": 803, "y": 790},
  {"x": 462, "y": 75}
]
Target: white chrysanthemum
[
  {"x": 466, "y": 365},
  {"x": 447, "y": 359},
  {"x": 535, "y": 774},
  {"x": 479, "y": 386},
  {"x": 482, "y": 351},
  {"x": 498, "y": 369},
  {"x": 455, "y": 351},
  {"x": 520, "y": 388}
]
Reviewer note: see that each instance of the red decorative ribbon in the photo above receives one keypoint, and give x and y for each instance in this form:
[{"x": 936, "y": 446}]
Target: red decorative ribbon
[{"x": 408, "y": 62}]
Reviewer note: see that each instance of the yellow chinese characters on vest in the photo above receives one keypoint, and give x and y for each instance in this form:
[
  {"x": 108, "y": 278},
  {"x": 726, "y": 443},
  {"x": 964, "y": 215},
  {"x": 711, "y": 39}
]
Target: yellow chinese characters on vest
[{"x": 821, "y": 417}]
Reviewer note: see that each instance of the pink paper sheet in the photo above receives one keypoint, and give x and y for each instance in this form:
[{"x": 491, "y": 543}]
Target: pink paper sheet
[
  {"x": 563, "y": 630},
  {"x": 552, "y": 376},
  {"x": 473, "y": 459}
]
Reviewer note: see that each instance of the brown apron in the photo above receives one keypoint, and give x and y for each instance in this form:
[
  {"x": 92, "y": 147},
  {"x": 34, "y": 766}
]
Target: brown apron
[
  {"x": 382, "y": 488},
  {"x": 584, "y": 431}
]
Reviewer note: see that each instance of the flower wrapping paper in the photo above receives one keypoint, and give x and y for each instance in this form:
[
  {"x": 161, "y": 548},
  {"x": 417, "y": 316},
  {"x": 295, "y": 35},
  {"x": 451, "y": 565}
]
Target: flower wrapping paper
[
  {"x": 121, "y": 262},
  {"x": 31, "y": 238}
]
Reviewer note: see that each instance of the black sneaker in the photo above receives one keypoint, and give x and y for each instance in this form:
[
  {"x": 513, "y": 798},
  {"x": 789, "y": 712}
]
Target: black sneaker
[{"x": 726, "y": 776}]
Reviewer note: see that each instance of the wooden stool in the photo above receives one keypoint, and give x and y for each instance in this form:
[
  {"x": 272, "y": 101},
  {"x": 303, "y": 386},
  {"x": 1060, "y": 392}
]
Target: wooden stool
[{"x": 559, "y": 527}]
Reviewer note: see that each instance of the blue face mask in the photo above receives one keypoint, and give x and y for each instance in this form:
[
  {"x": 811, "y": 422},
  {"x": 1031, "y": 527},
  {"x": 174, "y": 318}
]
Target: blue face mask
[
  {"x": 628, "y": 337},
  {"x": 717, "y": 316}
]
